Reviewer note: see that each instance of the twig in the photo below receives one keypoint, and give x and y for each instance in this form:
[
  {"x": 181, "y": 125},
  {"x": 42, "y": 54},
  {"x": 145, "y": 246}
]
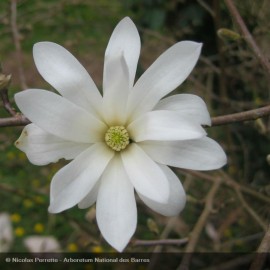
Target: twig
[
  {"x": 4, "y": 84},
  {"x": 196, "y": 232},
  {"x": 18, "y": 192},
  {"x": 6, "y": 103},
  {"x": 247, "y": 36},
  {"x": 206, "y": 7},
  {"x": 216, "y": 121},
  {"x": 160, "y": 242},
  {"x": 262, "y": 252},
  {"x": 235, "y": 263},
  {"x": 18, "y": 120},
  {"x": 158, "y": 248},
  {"x": 250, "y": 210},
  {"x": 229, "y": 182},
  {"x": 16, "y": 38},
  {"x": 241, "y": 116}
]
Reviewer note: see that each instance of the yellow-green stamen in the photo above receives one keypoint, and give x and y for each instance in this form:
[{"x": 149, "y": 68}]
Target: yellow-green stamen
[{"x": 117, "y": 138}]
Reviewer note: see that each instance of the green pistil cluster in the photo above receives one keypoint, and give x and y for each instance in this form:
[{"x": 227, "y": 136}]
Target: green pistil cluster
[{"x": 117, "y": 138}]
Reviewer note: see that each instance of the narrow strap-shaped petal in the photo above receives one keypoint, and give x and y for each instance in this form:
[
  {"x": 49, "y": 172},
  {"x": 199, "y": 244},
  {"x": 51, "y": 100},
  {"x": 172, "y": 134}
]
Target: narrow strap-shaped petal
[
  {"x": 116, "y": 206},
  {"x": 64, "y": 72},
  {"x": 188, "y": 105},
  {"x": 116, "y": 94},
  {"x": 163, "y": 76},
  {"x": 124, "y": 39},
  {"x": 90, "y": 198},
  {"x": 145, "y": 175},
  {"x": 201, "y": 154},
  {"x": 74, "y": 181},
  {"x": 60, "y": 117},
  {"x": 43, "y": 148},
  {"x": 177, "y": 198},
  {"x": 164, "y": 125}
]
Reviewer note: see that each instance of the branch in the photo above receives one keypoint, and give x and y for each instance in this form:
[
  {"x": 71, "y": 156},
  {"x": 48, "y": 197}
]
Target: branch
[
  {"x": 18, "y": 120},
  {"x": 249, "y": 209},
  {"x": 247, "y": 36},
  {"x": 196, "y": 232},
  {"x": 227, "y": 181},
  {"x": 16, "y": 38},
  {"x": 241, "y": 116},
  {"x": 262, "y": 252},
  {"x": 21, "y": 120},
  {"x": 160, "y": 242},
  {"x": 4, "y": 84}
]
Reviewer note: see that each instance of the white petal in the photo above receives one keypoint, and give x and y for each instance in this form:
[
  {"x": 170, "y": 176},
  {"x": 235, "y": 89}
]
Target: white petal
[
  {"x": 74, "y": 181},
  {"x": 125, "y": 39},
  {"x": 116, "y": 206},
  {"x": 116, "y": 94},
  {"x": 40, "y": 244},
  {"x": 64, "y": 72},
  {"x": 90, "y": 198},
  {"x": 60, "y": 117},
  {"x": 177, "y": 198},
  {"x": 164, "y": 125},
  {"x": 6, "y": 232},
  {"x": 188, "y": 105},
  {"x": 42, "y": 148},
  {"x": 201, "y": 154},
  {"x": 145, "y": 175},
  {"x": 163, "y": 76}
]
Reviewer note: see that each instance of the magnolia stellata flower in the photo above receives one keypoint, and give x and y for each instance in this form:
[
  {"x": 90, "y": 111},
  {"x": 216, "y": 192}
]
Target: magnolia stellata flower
[{"x": 121, "y": 141}]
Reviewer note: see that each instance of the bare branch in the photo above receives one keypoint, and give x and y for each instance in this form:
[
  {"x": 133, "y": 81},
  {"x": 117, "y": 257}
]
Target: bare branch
[
  {"x": 216, "y": 121},
  {"x": 249, "y": 209},
  {"x": 160, "y": 242},
  {"x": 262, "y": 252},
  {"x": 18, "y": 120},
  {"x": 241, "y": 116},
  {"x": 247, "y": 36},
  {"x": 4, "y": 84},
  {"x": 229, "y": 182},
  {"x": 196, "y": 232},
  {"x": 16, "y": 38}
]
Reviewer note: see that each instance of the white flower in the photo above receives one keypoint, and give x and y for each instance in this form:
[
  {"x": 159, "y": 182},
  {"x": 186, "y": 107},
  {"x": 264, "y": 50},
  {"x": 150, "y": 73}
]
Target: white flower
[
  {"x": 122, "y": 140},
  {"x": 6, "y": 233}
]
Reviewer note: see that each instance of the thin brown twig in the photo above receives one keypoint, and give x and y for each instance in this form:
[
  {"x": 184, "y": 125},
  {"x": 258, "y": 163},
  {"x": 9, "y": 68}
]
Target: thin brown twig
[
  {"x": 18, "y": 120},
  {"x": 241, "y": 116},
  {"x": 18, "y": 192},
  {"x": 196, "y": 232},
  {"x": 6, "y": 103},
  {"x": 160, "y": 242},
  {"x": 235, "y": 263},
  {"x": 4, "y": 84},
  {"x": 249, "y": 209},
  {"x": 163, "y": 236},
  {"x": 216, "y": 121},
  {"x": 16, "y": 38},
  {"x": 262, "y": 251},
  {"x": 229, "y": 182},
  {"x": 247, "y": 35}
]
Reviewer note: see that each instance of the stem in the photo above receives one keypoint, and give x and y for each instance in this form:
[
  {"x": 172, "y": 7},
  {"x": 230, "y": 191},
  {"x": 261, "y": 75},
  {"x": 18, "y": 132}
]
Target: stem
[
  {"x": 18, "y": 120},
  {"x": 247, "y": 36},
  {"x": 160, "y": 242},
  {"x": 196, "y": 232},
  {"x": 262, "y": 252},
  {"x": 241, "y": 116},
  {"x": 16, "y": 38}
]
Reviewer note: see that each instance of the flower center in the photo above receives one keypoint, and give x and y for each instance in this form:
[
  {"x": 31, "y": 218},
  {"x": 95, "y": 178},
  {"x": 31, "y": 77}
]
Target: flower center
[{"x": 117, "y": 138}]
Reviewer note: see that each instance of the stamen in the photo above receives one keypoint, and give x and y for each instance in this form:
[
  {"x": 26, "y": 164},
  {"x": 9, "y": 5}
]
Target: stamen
[{"x": 117, "y": 138}]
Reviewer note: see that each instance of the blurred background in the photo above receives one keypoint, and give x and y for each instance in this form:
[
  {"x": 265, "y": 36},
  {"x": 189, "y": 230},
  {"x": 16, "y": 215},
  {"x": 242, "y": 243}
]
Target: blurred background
[{"x": 228, "y": 77}]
